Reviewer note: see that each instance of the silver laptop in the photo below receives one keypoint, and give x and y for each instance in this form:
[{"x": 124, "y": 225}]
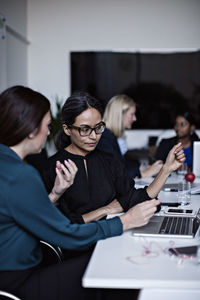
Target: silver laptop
[{"x": 170, "y": 226}]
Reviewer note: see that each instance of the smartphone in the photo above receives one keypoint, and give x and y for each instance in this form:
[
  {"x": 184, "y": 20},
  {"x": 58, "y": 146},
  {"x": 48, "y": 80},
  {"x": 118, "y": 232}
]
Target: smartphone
[
  {"x": 180, "y": 212},
  {"x": 189, "y": 250}
]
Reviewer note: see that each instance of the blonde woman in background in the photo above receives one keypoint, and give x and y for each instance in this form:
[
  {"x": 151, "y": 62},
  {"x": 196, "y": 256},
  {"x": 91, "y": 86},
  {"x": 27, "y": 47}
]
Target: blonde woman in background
[{"x": 120, "y": 114}]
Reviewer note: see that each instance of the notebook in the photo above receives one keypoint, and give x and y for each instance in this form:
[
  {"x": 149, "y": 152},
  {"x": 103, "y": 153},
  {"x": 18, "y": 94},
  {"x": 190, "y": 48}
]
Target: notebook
[{"x": 170, "y": 226}]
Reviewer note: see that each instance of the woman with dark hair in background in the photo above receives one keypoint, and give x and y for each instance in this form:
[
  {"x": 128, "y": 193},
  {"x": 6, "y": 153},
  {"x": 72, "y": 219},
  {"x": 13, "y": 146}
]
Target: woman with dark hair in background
[
  {"x": 185, "y": 133},
  {"x": 120, "y": 114},
  {"x": 102, "y": 185}
]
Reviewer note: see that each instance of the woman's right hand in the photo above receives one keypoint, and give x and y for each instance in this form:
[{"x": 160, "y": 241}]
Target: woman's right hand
[
  {"x": 139, "y": 215},
  {"x": 65, "y": 174}
]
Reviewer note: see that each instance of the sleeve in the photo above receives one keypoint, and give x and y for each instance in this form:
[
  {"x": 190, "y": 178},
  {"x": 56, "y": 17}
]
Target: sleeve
[
  {"x": 126, "y": 193},
  {"x": 33, "y": 211},
  {"x": 133, "y": 168},
  {"x": 162, "y": 151}
]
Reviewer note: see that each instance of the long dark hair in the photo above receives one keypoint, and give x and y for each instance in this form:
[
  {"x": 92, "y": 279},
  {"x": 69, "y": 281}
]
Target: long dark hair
[
  {"x": 21, "y": 112},
  {"x": 77, "y": 103}
]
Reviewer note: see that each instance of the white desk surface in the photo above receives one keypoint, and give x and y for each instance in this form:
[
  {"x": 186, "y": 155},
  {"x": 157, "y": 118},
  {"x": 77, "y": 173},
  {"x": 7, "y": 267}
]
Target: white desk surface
[
  {"x": 119, "y": 262},
  {"x": 169, "y": 294}
]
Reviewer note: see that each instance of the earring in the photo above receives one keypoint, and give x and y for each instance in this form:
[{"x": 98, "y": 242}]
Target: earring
[{"x": 31, "y": 136}]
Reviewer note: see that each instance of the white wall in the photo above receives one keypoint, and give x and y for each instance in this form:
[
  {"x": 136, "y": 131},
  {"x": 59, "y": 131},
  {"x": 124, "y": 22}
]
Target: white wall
[
  {"x": 15, "y": 12},
  {"x": 13, "y": 49},
  {"x": 57, "y": 27},
  {"x": 137, "y": 139}
]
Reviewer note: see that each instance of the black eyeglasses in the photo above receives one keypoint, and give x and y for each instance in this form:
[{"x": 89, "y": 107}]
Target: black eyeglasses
[{"x": 87, "y": 130}]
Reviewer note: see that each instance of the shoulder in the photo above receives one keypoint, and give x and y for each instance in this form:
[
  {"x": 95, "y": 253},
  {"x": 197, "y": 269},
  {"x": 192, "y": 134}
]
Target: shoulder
[
  {"x": 108, "y": 134},
  {"x": 169, "y": 141},
  {"x": 108, "y": 143},
  {"x": 109, "y": 159},
  {"x": 57, "y": 155},
  {"x": 23, "y": 177},
  {"x": 194, "y": 137}
]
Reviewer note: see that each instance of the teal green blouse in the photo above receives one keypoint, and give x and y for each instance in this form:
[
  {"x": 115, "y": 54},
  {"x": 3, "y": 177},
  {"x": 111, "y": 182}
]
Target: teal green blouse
[{"x": 27, "y": 216}]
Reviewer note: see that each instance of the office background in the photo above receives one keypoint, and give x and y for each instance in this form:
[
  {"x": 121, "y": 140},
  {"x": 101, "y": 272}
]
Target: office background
[{"x": 41, "y": 33}]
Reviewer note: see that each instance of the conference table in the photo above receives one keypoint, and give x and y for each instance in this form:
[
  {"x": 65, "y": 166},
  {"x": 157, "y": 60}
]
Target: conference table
[{"x": 128, "y": 262}]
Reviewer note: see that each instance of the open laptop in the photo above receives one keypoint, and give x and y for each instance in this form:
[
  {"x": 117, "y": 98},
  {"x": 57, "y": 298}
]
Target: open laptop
[{"x": 170, "y": 226}]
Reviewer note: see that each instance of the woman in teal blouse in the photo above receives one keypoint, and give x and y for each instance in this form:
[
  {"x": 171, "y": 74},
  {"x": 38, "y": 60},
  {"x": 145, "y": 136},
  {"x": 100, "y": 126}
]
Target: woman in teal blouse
[{"x": 28, "y": 216}]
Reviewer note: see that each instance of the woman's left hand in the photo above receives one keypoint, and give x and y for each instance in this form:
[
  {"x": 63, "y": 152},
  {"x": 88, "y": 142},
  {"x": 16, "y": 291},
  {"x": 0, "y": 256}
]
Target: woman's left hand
[
  {"x": 175, "y": 158},
  {"x": 64, "y": 179}
]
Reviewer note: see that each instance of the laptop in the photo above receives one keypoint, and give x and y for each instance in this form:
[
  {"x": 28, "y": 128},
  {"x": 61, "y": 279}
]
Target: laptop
[{"x": 170, "y": 227}]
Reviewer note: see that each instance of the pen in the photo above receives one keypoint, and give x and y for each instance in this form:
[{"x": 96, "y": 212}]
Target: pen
[{"x": 175, "y": 204}]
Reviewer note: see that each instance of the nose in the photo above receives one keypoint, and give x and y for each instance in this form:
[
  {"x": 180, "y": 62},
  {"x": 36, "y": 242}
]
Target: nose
[
  {"x": 93, "y": 135},
  {"x": 134, "y": 118}
]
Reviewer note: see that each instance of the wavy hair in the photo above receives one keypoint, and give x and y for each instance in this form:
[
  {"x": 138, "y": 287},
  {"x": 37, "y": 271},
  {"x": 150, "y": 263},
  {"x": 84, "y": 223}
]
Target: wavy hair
[{"x": 114, "y": 112}]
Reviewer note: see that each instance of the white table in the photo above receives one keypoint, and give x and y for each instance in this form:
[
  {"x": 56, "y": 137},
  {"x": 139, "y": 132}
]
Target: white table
[{"x": 119, "y": 262}]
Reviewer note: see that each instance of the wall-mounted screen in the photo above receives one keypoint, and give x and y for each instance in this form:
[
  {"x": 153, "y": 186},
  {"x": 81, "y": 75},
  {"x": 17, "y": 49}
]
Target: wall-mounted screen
[{"x": 161, "y": 83}]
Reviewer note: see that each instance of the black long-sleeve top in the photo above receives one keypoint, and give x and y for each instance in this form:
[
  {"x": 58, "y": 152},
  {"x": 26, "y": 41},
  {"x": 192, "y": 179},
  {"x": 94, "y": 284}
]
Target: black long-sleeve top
[
  {"x": 166, "y": 145},
  {"x": 106, "y": 179}
]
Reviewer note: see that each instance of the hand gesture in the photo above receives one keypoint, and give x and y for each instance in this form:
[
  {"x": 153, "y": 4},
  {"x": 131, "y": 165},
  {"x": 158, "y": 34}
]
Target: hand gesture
[
  {"x": 139, "y": 215},
  {"x": 65, "y": 174},
  {"x": 175, "y": 158}
]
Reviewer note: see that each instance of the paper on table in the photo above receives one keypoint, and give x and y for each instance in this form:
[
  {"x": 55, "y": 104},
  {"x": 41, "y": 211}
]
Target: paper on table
[{"x": 195, "y": 190}]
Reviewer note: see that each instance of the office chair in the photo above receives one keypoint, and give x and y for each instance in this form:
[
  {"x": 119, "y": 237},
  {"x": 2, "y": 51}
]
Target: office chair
[
  {"x": 6, "y": 295},
  {"x": 52, "y": 254}
]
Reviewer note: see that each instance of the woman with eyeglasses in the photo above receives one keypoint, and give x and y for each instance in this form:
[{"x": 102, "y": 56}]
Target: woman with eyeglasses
[
  {"x": 185, "y": 133},
  {"x": 101, "y": 186}
]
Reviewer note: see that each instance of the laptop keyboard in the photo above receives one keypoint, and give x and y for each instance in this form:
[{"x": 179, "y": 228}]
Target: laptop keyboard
[{"x": 175, "y": 225}]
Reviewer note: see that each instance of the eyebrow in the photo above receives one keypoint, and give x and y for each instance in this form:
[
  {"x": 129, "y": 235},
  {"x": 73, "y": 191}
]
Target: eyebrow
[{"x": 89, "y": 125}]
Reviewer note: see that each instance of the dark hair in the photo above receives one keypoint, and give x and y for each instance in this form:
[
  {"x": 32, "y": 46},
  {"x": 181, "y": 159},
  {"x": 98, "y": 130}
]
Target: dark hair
[
  {"x": 77, "y": 103},
  {"x": 21, "y": 111},
  {"x": 190, "y": 118}
]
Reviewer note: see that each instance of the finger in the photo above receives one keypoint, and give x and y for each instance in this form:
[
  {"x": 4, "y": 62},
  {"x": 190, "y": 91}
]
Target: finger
[
  {"x": 58, "y": 164},
  {"x": 180, "y": 156},
  {"x": 149, "y": 203},
  {"x": 71, "y": 166},
  {"x": 177, "y": 148},
  {"x": 59, "y": 174},
  {"x": 69, "y": 176}
]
